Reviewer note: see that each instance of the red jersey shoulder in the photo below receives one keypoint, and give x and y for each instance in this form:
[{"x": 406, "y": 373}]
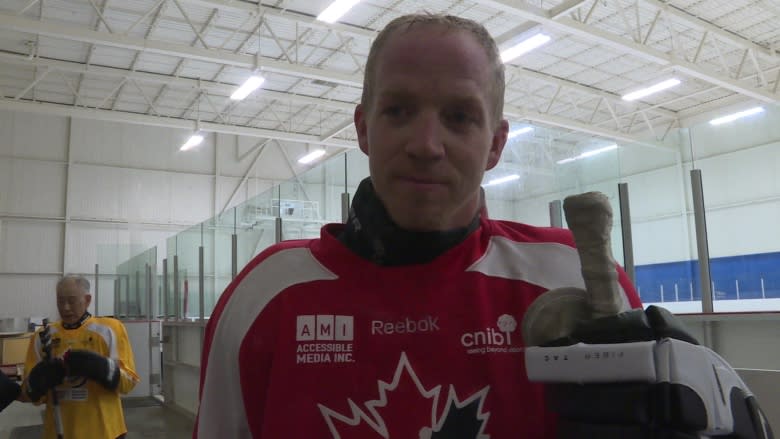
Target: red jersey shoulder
[{"x": 527, "y": 233}]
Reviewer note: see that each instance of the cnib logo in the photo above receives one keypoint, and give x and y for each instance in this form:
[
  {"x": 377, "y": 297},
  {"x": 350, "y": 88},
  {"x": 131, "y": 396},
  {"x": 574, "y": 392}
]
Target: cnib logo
[
  {"x": 493, "y": 340},
  {"x": 407, "y": 410}
]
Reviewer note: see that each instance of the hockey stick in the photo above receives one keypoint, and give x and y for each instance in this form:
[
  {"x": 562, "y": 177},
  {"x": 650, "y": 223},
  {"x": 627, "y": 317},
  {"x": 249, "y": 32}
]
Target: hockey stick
[
  {"x": 555, "y": 313},
  {"x": 46, "y": 344},
  {"x": 589, "y": 217}
]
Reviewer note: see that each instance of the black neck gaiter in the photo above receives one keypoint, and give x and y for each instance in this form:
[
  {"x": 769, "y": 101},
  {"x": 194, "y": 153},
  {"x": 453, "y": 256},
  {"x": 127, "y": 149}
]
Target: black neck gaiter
[
  {"x": 79, "y": 323},
  {"x": 372, "y": 234}
]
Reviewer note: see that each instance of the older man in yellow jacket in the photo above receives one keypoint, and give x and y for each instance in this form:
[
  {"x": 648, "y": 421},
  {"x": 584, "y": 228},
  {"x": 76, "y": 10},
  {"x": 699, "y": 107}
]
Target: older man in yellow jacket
[{"x": 90, "y": 365}]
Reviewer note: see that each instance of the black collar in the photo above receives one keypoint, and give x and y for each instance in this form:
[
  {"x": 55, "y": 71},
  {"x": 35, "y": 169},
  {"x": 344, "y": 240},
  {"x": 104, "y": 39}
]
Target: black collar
[
  {"x": 372, "y": 234},
  {"x": 79, "y": 323}
]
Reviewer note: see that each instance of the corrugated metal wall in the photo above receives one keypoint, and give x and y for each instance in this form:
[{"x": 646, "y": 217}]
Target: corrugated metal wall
[{"x": 75, "y": 193}]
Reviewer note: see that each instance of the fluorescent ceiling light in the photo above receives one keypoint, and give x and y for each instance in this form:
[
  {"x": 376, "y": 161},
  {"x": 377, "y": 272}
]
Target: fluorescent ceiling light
[
  {"x": 500, "y": 180},
  {"x": 250, "y": 85},
  {"x": 336, "y": 9},
  {"x": 661, "y": 86},
  {"x": 192, "y": 142},
  {"x": 519, "y": 131},
  {"x": 735, "y": 116},
  {"x": 524, "y": 47},
  {"x": 588, "y": 154},
  {"x": 312, "y": 156}
]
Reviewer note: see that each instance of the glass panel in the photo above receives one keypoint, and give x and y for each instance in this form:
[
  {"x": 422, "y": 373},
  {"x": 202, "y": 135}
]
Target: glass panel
[
  {"x": 739, "y": 163},
  {"x": 662, "y": 225},
  {"x": 224, "y": 226},
  {"x": 255, "y": 225},
  {"x": 134, "y": 286},
  {"x": 187, "y": 244},
  {"x": 170, "y": 254},
  {"x": 357, "y": 170},
  {"x": 540, "y": 165}
]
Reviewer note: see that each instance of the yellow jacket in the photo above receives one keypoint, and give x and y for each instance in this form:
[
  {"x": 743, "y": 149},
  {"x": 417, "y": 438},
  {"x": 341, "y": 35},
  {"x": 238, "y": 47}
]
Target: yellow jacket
[{"x": 88, "y": 409}]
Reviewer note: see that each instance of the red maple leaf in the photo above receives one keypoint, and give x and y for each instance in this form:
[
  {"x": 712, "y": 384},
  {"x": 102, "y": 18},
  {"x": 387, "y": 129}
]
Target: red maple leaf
[{"x": 404, "y": 409}]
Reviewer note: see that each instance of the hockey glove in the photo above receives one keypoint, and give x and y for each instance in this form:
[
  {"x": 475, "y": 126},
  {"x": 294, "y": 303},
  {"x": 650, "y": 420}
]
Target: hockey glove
[
  {"x": 92, "y": 366},
  {"x": 639, "y": 374},
  {"x": 9, "y": 391},
  {"x": 43, "y": 377}
]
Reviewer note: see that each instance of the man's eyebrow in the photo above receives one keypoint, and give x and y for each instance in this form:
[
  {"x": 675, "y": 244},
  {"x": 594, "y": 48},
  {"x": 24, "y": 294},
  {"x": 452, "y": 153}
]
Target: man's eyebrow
[{"x": 394, "y": 94}]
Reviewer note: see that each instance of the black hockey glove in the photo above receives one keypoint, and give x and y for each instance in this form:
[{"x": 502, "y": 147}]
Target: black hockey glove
[
  {"x": 9, "y": 391},
  {"x": 93, "y": 366},
  {"x": 43, "y": 377},
  {"x": 639, "y": 374}
]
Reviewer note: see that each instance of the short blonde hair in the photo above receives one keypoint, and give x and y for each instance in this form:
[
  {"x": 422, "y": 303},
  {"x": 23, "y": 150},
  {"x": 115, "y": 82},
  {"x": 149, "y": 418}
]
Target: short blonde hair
[{"x": 481, "y": 35}]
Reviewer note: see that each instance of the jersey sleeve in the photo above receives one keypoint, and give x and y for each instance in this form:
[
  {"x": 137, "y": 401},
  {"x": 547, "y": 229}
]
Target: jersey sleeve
[
  {"x": 241, "y": 339},
  {"x": 128, "y": 378},
  {"x": 224, "y": 402}
]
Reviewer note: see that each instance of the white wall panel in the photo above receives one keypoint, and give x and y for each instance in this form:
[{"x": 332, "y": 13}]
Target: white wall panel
[
  {"x": 139, "y": 147},
  {"x": 109, "y": 245},
  {"x": 748, "y": 132},
  {"x": 30, "y": 246},
  {"x": 757, "y": 225},
  {"x": 534, "y": 211},
  {"x": 22, "y": 136},
  {"x": 746, "y": 175},
  {"x": 28, "y": 296},
  {"x": 250, "y": 189},
  {"x": 273, "y": 165},
  {"x": 660, "y": 192},
  {"x": 147, "y": 196},
  {"x": 32, "y": 188},
  {"x": 95, "y": 192},
  {"x": 662, "y": 240},
  {"x": 235, "y": 154},
  {"x": 192, "y": 198}
]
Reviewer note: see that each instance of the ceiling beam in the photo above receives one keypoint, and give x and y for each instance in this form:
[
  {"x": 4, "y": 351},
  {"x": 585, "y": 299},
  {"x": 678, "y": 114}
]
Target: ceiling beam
[
  {"x": 546, "y": 119},
  {"x": 185, "y": 124},
  {"x": 587, "y": 90},
  {"x": 245, "y": 7},
  {"x": 76, "y": 33},
  {"x": 177, "y": 82},
  {"x": 591, "y": 33},
  {"x": 722, "y": 34}
]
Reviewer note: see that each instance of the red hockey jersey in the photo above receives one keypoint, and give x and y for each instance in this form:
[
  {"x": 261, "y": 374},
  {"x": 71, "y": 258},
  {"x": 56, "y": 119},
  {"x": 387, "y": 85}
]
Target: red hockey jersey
[{"x": 313, "y": 342}]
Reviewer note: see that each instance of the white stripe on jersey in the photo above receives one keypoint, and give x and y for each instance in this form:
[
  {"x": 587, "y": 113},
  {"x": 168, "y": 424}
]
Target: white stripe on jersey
[
  {"x": 108, "y": 336},
  {"x": 222, "y": 412},
  {"x": 550, "y": 265}
]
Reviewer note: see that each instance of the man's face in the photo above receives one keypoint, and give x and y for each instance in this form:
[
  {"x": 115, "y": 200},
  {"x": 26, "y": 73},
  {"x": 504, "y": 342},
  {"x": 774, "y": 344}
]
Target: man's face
[
  {"x": 429, "y": 131},
  {"x": 72, "y": 302}
]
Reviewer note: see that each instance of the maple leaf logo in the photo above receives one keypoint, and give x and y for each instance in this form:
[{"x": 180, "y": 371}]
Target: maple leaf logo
[{"x": 405, "y": 409}]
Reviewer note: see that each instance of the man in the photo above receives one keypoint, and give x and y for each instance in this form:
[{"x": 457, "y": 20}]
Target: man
[
  {"x": 90, "y": 365},
  {"x": 9, "y": 391},
  {"x": 403, "y": 323}
]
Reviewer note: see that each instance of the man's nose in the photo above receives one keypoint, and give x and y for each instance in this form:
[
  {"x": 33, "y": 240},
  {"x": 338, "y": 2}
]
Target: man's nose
[{"x": 427, "y": 139}]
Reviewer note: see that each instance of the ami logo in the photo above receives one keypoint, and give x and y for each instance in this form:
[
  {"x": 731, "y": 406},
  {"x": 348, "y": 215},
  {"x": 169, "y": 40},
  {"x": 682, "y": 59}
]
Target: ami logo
[{"x": 325, "y": 327}]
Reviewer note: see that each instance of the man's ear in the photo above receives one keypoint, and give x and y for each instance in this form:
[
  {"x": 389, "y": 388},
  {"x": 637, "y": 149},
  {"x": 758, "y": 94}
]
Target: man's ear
[
  {"x": 88, "y": 299},
  {"x": 362, "y": 128},
  {"x": 497, "y": 143}
]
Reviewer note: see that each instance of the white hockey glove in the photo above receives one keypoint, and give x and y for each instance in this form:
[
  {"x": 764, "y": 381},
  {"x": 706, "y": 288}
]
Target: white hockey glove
[{"x": 639, "y": 374}]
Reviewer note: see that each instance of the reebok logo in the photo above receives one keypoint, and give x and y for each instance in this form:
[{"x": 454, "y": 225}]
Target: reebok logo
[{"x": 405, "y": 326}]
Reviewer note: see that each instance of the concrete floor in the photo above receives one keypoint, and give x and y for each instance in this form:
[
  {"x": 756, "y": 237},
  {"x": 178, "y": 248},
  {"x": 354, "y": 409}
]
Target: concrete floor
[{"x": 146, "y": 419}]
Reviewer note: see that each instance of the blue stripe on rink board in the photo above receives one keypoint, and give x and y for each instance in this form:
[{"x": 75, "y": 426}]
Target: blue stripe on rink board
[{"x": 747, "y": 271}]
